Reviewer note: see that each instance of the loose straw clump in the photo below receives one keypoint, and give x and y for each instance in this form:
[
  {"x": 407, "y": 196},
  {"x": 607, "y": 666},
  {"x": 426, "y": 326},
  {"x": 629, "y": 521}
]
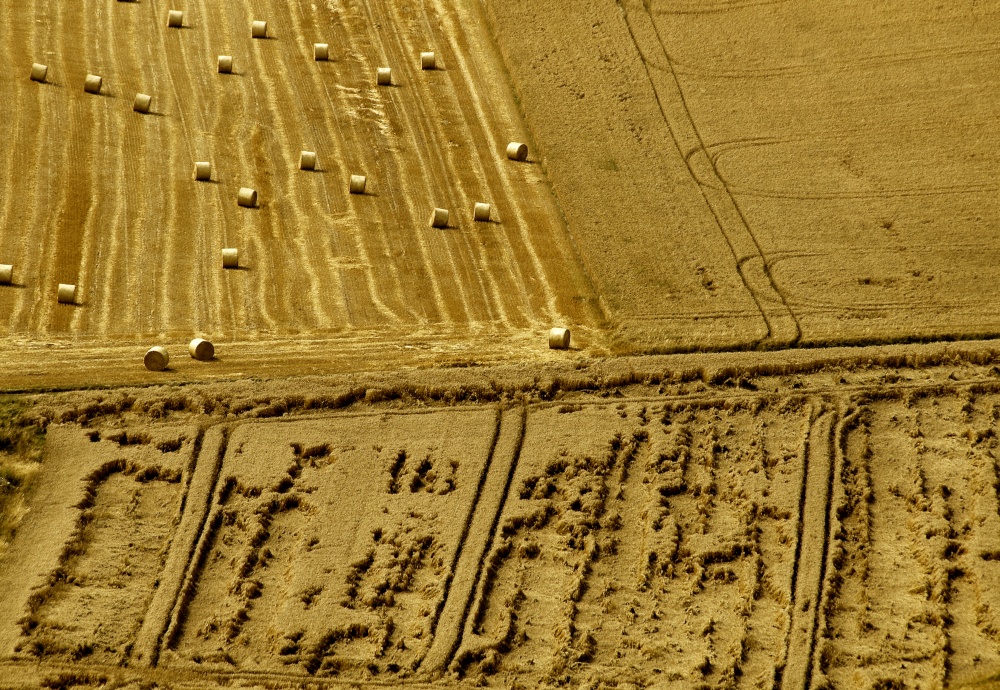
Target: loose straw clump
[
  {"x": 258, "y": 30},
  {"x": 230, "y": 258},
  {"x": 481, "y": 212},
  {"x": 307, "y": 160},
  {"x": 559, "y": 338},
  {"x": 247, "y": 198},
  {"x": 142, "y": 103},
  {"x": 201, "y": 349},
  {"x": 439, "y": 218},
  {"x": 225, "y": 64},
  {"x": 517, "y": 151},
  {"x": 156, "y": 358},
  {"x": 92, "y": 84},
  {"x": 358, "y": 183},
  {"x": 38, "y": 72}
]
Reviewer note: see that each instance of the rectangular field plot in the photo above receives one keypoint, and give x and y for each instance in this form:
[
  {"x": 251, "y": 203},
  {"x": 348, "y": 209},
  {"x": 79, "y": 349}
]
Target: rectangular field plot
[
  {"x": 330, "y": 544},
  {"x": 643, "y": 545},
  {"x": 102, "y": 197},
  {"x": 80, "y": 575},
  {"x": 913, "y": 595}
]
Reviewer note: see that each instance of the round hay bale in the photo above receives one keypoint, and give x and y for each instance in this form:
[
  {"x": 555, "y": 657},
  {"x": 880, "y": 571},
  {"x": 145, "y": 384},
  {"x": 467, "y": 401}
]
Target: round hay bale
[
  {"x": 517, "y": 151},
  {"x": 6, "y": 274},
  {"x": 384, "y": 76},
  {"x": 321, "y": 51},
  {"x": 307, "y": 160},
  {"x": 142, "y": 103},
  {"x": 156, "y": 358},
  {"x": 201, "y": 349},
  {"x": 66, "y": 294},
  {"x": 38, "y": 72},
  {"x": 427, "y": 61},
  {"x": 481, "y": 212},
  {"x": 559, "y": 338},
  {"x": 203, "y": 171},
  {"x": 175, "y": 19},
  {"x": 258, "y": 30},
  {"x": 439, "y": 218},
  {"x": 225, "y": 64},
  {"x": 358, "y": 183},
  {"x": 247, "y": 198},
  {"x": 230, "y": 258},
  {"x": 92, "y": 84}
]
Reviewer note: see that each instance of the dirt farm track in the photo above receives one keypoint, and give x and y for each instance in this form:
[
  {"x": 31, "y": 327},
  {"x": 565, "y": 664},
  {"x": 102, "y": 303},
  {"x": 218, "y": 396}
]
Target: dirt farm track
[{"x": 769, "y": 458}]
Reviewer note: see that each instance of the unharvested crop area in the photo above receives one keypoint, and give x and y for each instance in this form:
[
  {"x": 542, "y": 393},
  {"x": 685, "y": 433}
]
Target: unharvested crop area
[
  {"x": 768, "y": 460},
  {"x": 660, "y": 528}
]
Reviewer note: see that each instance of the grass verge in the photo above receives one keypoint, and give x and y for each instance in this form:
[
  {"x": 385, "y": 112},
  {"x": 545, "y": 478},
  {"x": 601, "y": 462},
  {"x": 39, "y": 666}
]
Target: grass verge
[{"x": 21, "y": 443}]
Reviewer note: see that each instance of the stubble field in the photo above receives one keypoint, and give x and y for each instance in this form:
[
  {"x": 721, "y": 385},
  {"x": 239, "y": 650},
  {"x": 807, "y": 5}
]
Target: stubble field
[
  {"x": 652, "y": 527},
  {"x": 744, "y": 473}
]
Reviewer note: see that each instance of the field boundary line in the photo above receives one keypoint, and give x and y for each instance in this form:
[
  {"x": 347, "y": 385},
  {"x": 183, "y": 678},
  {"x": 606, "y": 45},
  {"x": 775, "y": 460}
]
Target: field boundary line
[
  {"x": 447, "y": 625},
  {"x": 199, "y": 542},
  {"x": 194, "y": 504},
  {"x": 810, "y": 549},
  {"x": 477, "y": 592},
  {"x": 158, "y": 611}
]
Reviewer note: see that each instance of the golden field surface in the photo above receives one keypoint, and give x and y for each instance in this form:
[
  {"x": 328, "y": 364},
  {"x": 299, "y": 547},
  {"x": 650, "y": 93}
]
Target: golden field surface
[
  {"x": 769, "y": 458},
  {"x": 102, "y": 197},
  {"x": 830, "y": 524}
]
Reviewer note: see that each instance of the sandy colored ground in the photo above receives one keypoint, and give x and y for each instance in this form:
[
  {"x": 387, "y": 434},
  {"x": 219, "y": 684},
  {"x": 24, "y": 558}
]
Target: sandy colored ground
[
  {"x": 807, "y": 172},
  {"x": 645, "y": 527},
  {"x": 102, "y": 197},
  {"x": 385, "y": 478}
]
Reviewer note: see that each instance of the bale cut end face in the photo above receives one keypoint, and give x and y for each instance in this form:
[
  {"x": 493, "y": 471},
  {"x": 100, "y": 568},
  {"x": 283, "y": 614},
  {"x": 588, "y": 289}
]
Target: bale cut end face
[
  {"x": 66, "y": 294},
  {"x": 225, "y": 64},
  {"x": 358, "y": 184},
  {"x": 230, "y": 258},
  {"x": 517, "y": 151},
  {"x": 383, "y": 77},
  {"x": 92, "y": 84},
  {"x": 175, "y": 19},
  {"x": 247, "y": 198},
  {"x": 38, "y": 72},
  {"x": 258, "y": 30},
  {"x": 6, "y": 274},
  {"x": 156, "y": 358},
  {"x": 203, "y": 171},
  {"x": 439, "y": 218},
  {"x": 201, "y": 349},
  {"x": 428, "y": 61},
  {"x": 321, "y": 51},
  {"x": 142, "y": 103},
  {"x": 481, "y": 212},
  {"x": 559, "y": 338},
  {"x": 307, "y": 160}
]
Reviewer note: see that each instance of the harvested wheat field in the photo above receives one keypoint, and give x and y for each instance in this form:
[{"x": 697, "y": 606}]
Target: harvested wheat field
[{"x": 605, "y": 344}]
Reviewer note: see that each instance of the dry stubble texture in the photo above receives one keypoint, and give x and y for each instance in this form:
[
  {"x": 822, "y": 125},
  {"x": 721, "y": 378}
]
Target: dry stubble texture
[
  {"x": 829, "y": 161},
  {"x": 104, "y": 200},
  {"x": 681, "y": 534}
]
